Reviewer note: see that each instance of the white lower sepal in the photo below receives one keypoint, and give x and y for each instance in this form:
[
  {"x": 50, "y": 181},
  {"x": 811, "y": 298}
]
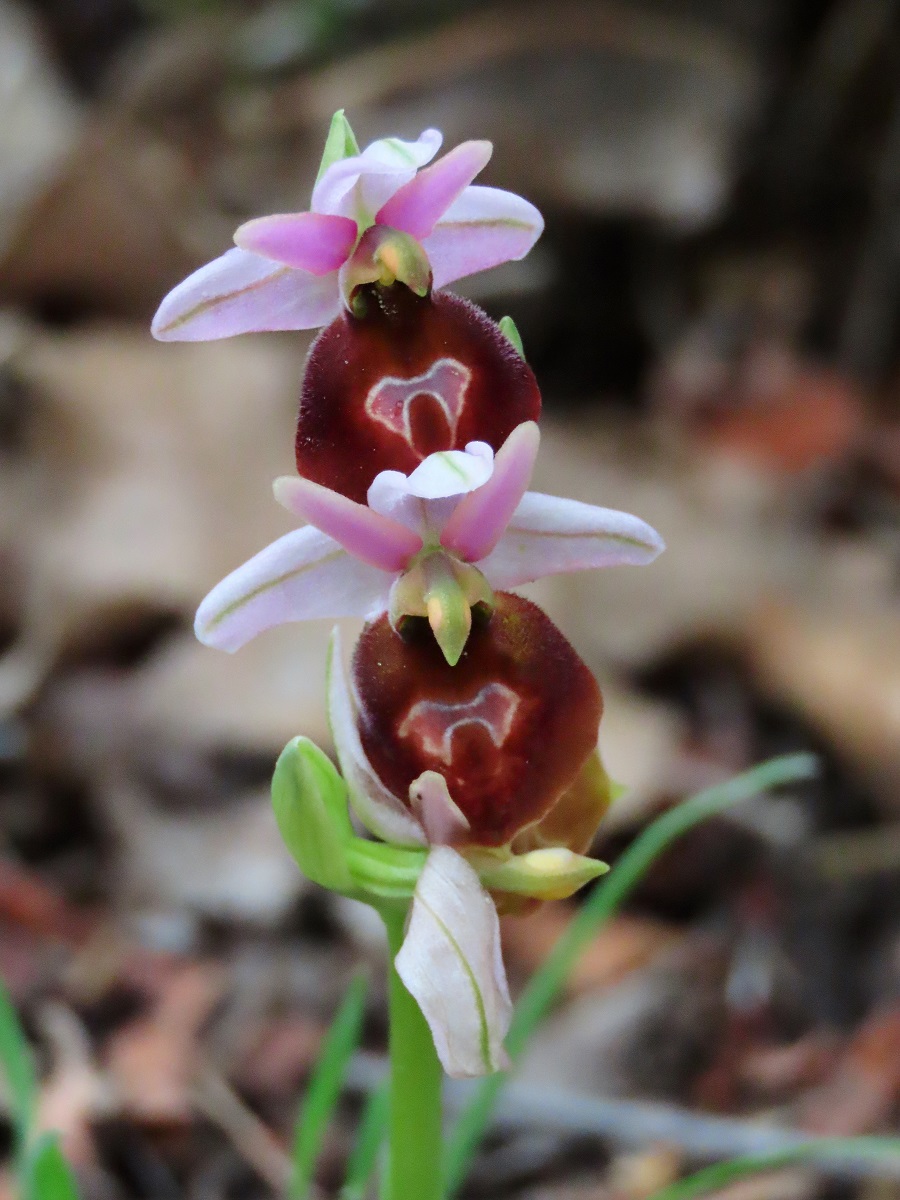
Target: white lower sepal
[{"x": 451, "y": 962}]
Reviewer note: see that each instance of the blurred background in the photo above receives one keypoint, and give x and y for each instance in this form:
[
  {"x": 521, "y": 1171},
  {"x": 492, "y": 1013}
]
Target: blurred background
[{"x": 713, "y": 317}]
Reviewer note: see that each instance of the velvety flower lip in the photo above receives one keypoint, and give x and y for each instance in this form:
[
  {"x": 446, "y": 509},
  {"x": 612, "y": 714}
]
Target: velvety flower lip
[
  {"x": 285, "y": 270},
  {"x": 469, "y": 505},
  {"x": 406, "y": 377},
  {"x": 508, "y": 726}
]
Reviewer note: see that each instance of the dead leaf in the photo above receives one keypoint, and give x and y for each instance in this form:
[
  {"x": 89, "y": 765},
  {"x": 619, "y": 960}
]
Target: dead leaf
[{"x": 152, "y": 1061}]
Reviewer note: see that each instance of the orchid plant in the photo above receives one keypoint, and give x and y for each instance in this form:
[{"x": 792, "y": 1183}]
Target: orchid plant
[{"x": 466, "y": 733}]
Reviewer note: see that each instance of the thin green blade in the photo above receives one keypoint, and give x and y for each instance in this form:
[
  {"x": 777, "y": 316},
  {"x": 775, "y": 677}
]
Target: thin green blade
[
  {"x": 603, "y": 902},
  {"x": 18, "y": 1069},
  {"x": 325, "y": 1086},
  {"x": 47, "y": 1175},
  {"x": 711, "y": 1179},
  {"x": 370, "y": 1139}
]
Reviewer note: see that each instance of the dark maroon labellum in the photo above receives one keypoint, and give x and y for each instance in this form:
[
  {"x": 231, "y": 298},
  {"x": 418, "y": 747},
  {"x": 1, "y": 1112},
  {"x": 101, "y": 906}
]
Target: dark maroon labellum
[
  {"x": 409, "y": 376},
  {"x": 509, "y": 727}
]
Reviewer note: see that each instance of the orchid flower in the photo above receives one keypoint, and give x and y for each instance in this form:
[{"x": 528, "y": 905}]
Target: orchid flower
[
  {"x": 481, "y": 764},
  {"x": 430, "y": 544},
  {"x": 376, "y": 214}
]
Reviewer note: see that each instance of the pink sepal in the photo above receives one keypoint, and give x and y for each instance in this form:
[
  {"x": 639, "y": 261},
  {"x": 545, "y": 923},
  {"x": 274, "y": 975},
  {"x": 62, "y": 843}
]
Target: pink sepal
[
  {"x": 418, "y": 205},
  {"x": 481, "y": 517},
  {"x": 364, "y": 533},
  {"x": 315, "y": 242}
]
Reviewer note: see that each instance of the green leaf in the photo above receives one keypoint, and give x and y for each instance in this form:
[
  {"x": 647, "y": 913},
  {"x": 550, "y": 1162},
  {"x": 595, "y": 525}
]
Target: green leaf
[
  {"x": 310, "y": 802},
  {"x": 340, "y": 143},
  {"x": 605, "y": 899},
  {"x": 18, "y": 1070},
  {"x": 47, "y": 1175},
  {"x": 368, "y": 1145},
  {"x": 510, "y": 331},
  {"x": 325, "y": 1086},
  {"x": 849, "y": 1150}
]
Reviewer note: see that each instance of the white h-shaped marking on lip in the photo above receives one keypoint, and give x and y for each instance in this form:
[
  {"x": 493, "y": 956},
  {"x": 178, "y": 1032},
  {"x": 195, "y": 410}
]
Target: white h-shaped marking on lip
[
  {"x": 434, "y": 722},
  {"x": 390, "y": 400}
]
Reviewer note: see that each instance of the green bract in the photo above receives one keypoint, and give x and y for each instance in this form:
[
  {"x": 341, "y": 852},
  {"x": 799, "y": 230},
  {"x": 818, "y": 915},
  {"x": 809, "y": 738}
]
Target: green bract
[
  {"x": 310, "y": 802},
  {"x": 511, "y": 332},
  {"x": 340, "y": 143}
]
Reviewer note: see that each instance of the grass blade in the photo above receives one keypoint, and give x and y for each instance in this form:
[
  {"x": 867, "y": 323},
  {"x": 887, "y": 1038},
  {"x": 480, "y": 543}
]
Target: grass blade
[
  {"x": 18, "y": 1069},
  {"x": 602, "y": 903},
  {"x": 47, "y": 1175},
  {"x": 325, "y": 1086},
  {"x": 369, "y": 1141},
  {"x": 712, "y": 1178}
]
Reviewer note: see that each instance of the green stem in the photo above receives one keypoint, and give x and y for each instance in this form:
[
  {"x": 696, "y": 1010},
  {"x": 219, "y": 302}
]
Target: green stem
[{"x": 414, "y": 1157}]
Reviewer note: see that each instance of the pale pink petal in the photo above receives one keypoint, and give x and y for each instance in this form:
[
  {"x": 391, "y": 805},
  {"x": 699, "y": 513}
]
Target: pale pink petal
[
  {"x": 366, "y": 534},
  {"x": 444, "y": 822},
  {"x": 483, "y": 228},
  {"x": 244, "y": 293},
  {"x": 359, "y": 186},
  {"x": 479, "y": 520},
  {"x": 451, "y": 963},
  {"x": 419, "y": 204},
  {"x": 424, "y": 500},
  {"x": 389, "y": 495},
  {"x": 383, "y": 813},
  {"x": 548, "y": 535},
  {"x": 301, "y": 576},
  {"x": 452, "y": 472},
  {"x": 313, "y": 242}
]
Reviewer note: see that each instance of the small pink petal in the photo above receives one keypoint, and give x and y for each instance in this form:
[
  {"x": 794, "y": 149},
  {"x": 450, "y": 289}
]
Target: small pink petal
[
  {"x": 313, "y": 242},
  {"x": 419, "y": 204},
  {"x": 479, "y": 520},
  {"x": 483, "y": 228},
  {"x": 302, "y": 576},
  {"x": 244, "y": 293},
  {"x": 364, "y": 533},
  {"x": 383, "y": 813},
  {"x": 451, "y": 962},
  {"x": 549, "y": 535}
]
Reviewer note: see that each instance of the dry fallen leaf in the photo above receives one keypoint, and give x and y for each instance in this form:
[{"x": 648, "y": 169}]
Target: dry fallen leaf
[
  {"x": 864, "y": 1091},
  {"x": 152, "y": 1060},
  {"x": 626, "y": 943}
]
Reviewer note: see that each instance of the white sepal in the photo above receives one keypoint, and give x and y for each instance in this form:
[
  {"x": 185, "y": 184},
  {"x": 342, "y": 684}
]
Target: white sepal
[{"x": 451, "y": 963}]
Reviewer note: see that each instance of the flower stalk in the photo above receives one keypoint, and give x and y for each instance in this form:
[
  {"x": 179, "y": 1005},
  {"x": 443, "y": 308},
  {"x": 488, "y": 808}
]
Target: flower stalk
[{"x": 414, "y": 1156}]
